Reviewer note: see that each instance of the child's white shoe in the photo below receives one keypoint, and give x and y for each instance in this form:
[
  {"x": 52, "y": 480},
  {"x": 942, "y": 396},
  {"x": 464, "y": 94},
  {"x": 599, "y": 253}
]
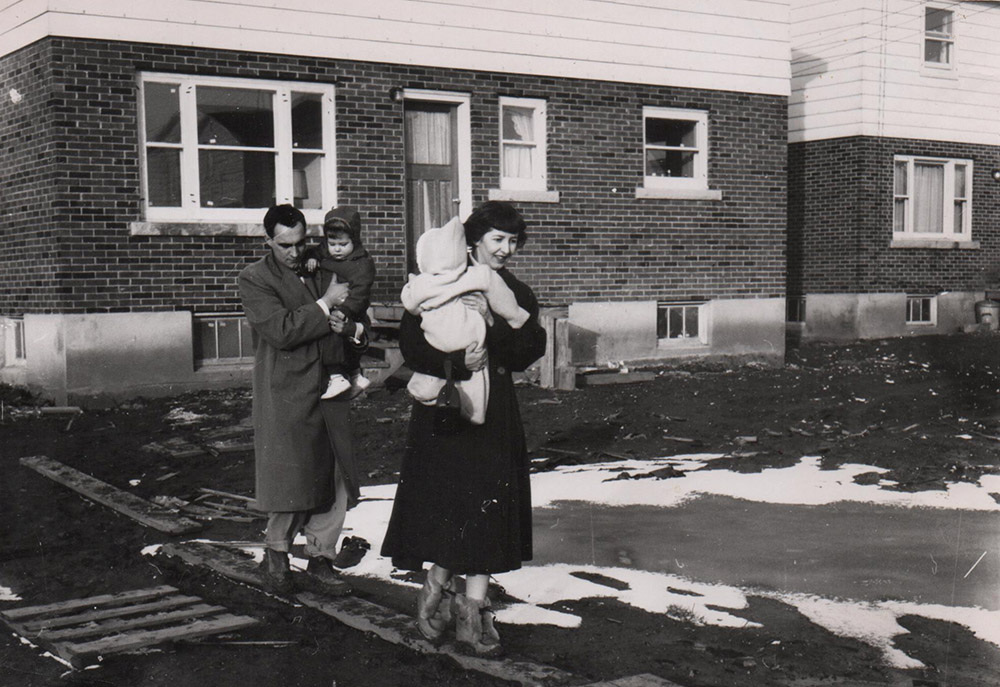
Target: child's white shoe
[
  {"x": 358, "y": 385},
  {"x": 338, "y": 385}
]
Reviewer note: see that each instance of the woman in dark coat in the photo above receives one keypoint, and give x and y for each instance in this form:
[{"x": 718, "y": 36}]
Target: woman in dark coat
[{"x": 464, "y": 502}]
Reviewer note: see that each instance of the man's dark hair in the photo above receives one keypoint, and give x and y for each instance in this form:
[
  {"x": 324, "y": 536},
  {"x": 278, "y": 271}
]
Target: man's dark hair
[
  {"x": 285, "y": 215},
  {"x": 495, "y": 214}
]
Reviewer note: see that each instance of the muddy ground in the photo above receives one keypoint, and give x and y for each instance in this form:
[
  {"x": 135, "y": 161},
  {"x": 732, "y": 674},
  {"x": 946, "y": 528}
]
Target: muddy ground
[{"x": 898, "y": 404}]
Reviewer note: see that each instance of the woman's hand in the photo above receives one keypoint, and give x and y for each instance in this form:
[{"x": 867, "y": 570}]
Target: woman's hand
[
  {"x": 475, "y": 357},
  {"x": 477, "y": 301},
  {"x": 335, "y": 294}
]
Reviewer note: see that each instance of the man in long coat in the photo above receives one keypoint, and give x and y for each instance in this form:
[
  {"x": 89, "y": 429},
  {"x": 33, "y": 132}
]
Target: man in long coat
[{"x": 306, "y": 476}]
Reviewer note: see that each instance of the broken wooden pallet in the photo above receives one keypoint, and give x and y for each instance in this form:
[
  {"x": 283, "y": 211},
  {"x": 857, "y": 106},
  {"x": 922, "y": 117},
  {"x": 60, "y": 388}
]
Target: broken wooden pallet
[
  {"x": 81, "y": 631},
  {"x": 140, "y": 510},
  {"x": 234, "y": 564}
]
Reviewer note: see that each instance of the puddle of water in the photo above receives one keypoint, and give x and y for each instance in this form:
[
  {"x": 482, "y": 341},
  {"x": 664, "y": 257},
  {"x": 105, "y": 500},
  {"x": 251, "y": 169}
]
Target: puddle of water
[{"x": 859, "y": 551}]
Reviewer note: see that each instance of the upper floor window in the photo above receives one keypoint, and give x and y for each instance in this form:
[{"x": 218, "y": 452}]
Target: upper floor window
[
  {"x": 932, "y": 198},
  {"x": 220, "y": 149},
  {"x": 675, "y": 147},
  {"x": 522, "y": 144},
  {"x": 939, "y": 37}
]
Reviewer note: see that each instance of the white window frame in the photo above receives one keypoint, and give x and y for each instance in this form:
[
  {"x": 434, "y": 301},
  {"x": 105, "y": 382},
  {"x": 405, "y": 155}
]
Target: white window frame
[
  {"x": 910, "y": 299},
  {"x": 190, "y": 209},
  {"x": 950, "y": 233},
  {"x": 539, "y": 179},
  {"x": 938, "y": 37},
  {"x": 699, "y": 339},
  {"x": 699, "y": 181}
]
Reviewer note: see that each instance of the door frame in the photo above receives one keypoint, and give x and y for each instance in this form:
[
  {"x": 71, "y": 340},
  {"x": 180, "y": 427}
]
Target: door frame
[{"x": 463, "y": 125}]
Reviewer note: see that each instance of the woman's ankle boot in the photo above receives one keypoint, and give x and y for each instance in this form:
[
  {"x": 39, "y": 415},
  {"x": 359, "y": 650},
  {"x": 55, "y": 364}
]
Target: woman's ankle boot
[
  {"x": 434, "y": 606},
  {"x": 474, "y": 625}
]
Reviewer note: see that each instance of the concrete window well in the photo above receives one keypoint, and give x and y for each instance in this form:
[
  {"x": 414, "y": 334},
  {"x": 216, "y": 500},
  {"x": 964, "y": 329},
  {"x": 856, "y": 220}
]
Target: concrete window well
[{"x": 988, "y": 313}]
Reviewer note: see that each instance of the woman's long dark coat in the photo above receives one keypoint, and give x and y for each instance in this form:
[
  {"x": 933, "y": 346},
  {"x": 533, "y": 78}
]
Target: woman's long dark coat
[{"x": 464, "y": 500}]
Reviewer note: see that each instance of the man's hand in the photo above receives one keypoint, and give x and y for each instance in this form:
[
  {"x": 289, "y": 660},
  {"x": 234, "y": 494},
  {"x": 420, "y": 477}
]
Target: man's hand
[
  {"x": 475, "y": 357},
  {"x": 338, "y": 321},
  {"x": 335, "y": 294}
]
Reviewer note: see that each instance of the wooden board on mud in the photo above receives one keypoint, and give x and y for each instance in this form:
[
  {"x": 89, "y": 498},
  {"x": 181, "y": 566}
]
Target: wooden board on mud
[
  {"x": 234, "y": 564},
  {"x": 140, "y": 510},
  {"x": 81, "y": 631}
]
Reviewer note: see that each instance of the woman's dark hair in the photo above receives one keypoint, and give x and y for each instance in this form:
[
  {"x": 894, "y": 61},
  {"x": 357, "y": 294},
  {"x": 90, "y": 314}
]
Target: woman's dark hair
[
  {"x": 495, "y": 214},
  {"x": 285, "y": 215}
]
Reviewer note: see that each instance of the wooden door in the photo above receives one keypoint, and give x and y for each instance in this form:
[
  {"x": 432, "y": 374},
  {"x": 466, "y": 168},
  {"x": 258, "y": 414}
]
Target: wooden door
[{"x": 431, "y": 169}]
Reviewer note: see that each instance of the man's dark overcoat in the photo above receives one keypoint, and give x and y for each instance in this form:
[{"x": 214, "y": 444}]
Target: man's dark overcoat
[{"x": 293, "y": 428}]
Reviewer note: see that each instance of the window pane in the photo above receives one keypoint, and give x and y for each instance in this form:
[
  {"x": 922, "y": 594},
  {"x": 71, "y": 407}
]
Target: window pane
[
  {"x": 960, "y": 181},
  {"x": 900, "y": 179},
  {"x": 517, "y": 161},
  {"x": 517, "y": 124},
  {"x": 671, "y": 132},
  {"x": 899, "y": 216},
  {"x": 236, "y": 179},
  {"x": 246, "y": 339},
  {"x": 229, "y": 337},
  {"x": 163, "y": 112},
  {"x": 307, "y": 180},
  {"x": 163, "y": 177},
  {"x": 691, "y": 322},
  {"x": 307, "y": 120},
  {"x": 675, "y": 323},
  {"x": 937, "y": 52},
  {"x": 928, "y": 192},
  {"x": 235, "y": 117},
  {"x": 938, "y": 21},
  {"x": 669, "y": 163},
  {"x": 204, "y": 340},
  {"x": 428, "y": 136},
  {"x": 959, "y": 219}
]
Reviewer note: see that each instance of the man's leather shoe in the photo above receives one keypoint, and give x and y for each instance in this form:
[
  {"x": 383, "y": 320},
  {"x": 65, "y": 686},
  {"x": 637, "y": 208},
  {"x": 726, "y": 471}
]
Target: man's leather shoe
[
  {"x": 276, "y": 572},
  {"x": 322, "y": 570}
]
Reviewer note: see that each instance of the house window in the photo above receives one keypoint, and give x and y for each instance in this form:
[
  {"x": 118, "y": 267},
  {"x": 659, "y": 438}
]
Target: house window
[
  {"x": 522, "y": 144},
  {"x": 680, "y": 323},
  {"x": 939, "y": 38},
  {"x": 221, "y": 150},
  {"x": 222, "y": 339},
  {"x": 675, "y": 148},
  {"x": 932, "y": 198},
  {"x": 921, "y": 309},
  {"x": 795, "y": 309}
]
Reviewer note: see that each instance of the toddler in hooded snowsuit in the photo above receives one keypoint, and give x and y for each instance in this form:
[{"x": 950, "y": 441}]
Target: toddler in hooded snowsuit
[{"x": 448, "y": 324}]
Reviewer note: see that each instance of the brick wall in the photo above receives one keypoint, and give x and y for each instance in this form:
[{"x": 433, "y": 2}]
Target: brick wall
[
  {"x": 840, "y": 220},
  {"x": 29, "y": 152},
  {"x": 598, "y": 243}
]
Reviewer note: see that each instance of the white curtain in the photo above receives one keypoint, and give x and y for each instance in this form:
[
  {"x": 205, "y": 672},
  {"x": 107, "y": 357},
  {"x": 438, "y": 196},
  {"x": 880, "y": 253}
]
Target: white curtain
[
  {"x": 429, "y": 137},
  {"x": 517, "y": 126},
  {"x": 928, "y": 196}
]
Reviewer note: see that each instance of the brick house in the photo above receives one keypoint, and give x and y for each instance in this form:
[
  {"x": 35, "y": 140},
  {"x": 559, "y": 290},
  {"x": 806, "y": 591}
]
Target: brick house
[
  {"x": 139, "y": 142},
  {"x": 894, "y": 163}
]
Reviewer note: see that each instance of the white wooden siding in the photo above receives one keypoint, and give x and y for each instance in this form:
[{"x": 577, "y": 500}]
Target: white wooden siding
[
  {"x": 739, "y": 45},
  {"x": 859, "y": 72}
]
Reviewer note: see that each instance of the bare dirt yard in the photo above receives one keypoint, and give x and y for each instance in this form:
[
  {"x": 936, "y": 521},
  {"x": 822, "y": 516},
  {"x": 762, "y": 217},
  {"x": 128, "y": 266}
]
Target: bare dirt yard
[{"x": 895, "y": 404}]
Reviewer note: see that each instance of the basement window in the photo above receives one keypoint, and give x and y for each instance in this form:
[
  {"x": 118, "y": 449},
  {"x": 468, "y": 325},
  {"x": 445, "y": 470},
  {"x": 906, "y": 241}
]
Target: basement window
[
  {"x": 680, "y": 323},
  {"x": 13, "y": 340},
  {"x": 795, "y": 309},
  {"x": 921, "y": 310},
  {"x": 223, "y": 338}
]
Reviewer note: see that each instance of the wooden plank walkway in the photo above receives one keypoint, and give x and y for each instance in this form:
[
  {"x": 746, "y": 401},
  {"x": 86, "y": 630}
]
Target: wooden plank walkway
[
  {"x": 82, "y": 631},
  {"x": 398, "y": 628},
  {"x": 236, "y": 565},
  {"x": 140, "y": 510}
]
